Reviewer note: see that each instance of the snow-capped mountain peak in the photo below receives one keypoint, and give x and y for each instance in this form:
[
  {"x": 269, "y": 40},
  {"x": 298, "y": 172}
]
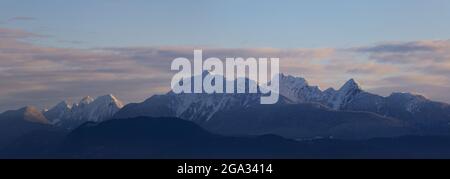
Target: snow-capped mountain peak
[
  {"x": 206, "y": 108},
  {"x": 86, "y": 100},
  {"x": 88, "y": 109},
  {"x": 298, "y": 90},
  {"x": 293, "y": 81},
  {"x": 58, "y": 112},
  {"x": 62, "y": 105},
  {"x": 109, "y": 99},
  {"x": 344, "y": 95},
  {"x": 350, "y": 85}
]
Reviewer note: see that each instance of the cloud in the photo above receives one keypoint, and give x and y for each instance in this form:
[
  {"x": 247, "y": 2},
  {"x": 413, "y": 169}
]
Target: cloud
[
  {"x": 31, "y": 74},
  {"x": 370, "y": 69},
  {"x": 408, "y": 52},
  {"x": 414, "y": 79},
  {"x": 38, "y": 75},
  {"x": 22, "y": 18},
  {"x": 398, "y": 48},
  {"x": 418, "y": 63},
  {"x": 7, "y": 33},
  {"x": 76, "y": 42},
  {"x": 47, "y": 73}
]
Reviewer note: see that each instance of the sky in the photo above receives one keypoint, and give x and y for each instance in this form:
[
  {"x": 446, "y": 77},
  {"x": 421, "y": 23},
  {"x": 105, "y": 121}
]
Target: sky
[{"x": 52, "y": 50}]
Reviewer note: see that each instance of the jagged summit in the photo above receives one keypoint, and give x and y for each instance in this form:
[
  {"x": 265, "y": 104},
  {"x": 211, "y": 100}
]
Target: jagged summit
[
  {"x": 204, "y": 106},
  {"x": 110, "y": 98},
  {"x": 86, "y": 100},
  {"x": 294, "y": 81},
  {"x": 88, "y": 109},
  {"x": 298, "y": 90},
  {"x": 329, "y": 90},
  {"x": 56, "y": 113},
  {"x": 350, "y": 85},
  {"x": 63, "y": 105}
]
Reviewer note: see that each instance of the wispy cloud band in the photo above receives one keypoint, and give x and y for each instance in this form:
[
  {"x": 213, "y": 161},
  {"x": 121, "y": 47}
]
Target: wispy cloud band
[{"x": 38, "y": 75}]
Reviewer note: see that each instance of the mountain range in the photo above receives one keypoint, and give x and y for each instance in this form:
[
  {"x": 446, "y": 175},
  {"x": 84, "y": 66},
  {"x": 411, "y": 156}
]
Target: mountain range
[
  {"x": 62, "y": 117},
  {"x": 88, "y": 109},
  {"x": 303, "y": 113}
]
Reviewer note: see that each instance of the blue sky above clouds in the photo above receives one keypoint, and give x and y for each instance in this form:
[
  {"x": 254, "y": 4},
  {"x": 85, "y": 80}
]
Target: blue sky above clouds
[
  {"x": 51, "y": 50},
  {"x": 231, "y": 23}
]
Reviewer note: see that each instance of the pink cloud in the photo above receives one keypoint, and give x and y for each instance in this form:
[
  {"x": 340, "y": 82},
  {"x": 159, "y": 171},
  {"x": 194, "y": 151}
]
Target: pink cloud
[{"x": 48, "y": 74}]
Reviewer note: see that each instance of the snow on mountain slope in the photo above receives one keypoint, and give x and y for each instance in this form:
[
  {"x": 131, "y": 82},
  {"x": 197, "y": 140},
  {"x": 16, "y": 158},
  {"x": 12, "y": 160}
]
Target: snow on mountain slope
[
  {"x": 298, "y": 90},
  {"x": 194, "y": 107},
  {"x": 88, "y": 109},
  {"x": 201, "y": 107},
  {"x": 344, "y": 95},
  {"x": 425, "y": 115},
  {"x": 58, "y": 112}
]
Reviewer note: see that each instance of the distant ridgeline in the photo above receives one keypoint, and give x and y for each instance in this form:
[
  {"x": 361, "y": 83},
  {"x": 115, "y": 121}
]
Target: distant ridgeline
[{"x": 306, "y": 122}]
